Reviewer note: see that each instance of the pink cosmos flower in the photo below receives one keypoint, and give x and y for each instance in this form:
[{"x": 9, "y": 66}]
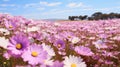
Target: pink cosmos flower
[
  {"x": 18, "y": 44},
  {"x": 57, "y": 64},
  {"x": 35, "y": 55},
  {"x": 100, "y": 44},
  {"x": 60, "y": 44},
  {"x": 10, "y": 25},
  {"x": 84, "y": 51}
]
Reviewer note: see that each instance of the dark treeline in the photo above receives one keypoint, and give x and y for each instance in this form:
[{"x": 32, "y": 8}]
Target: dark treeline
[{"x": 96, "y": 16}]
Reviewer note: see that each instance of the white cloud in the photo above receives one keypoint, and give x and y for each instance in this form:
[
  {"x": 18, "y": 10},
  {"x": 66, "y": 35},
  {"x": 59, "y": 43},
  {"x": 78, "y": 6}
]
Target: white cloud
[
  {"x": 6, "y": 0},
  {"x": 99, "y": 9},
  {"x": 3, "y": 5},
  {"x": 30, "y": 5},
  {"x": 57, "y": 11},
  {"x": 50, "y": 4},
  {"x": 74, "y": 5},
  {"x": 34, "y": 5},
  {"x": 41, "y": 4},
  {"x": 6, "y": 5},
  {"x": 3, "y": 8},
  {"x": 40, "y": 8}
]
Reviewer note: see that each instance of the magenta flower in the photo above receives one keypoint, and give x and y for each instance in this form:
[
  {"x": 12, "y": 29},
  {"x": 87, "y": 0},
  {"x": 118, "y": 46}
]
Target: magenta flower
[
  {"x": 37, "y": 36},
  {"x": 10, "y": 25},
  {"x": 57, "y": 64},
  {"x": 103, "y": 36},
  {"x": 60, "y": 44},
  {"x": 68, "y": 35},
  {"x": 83, "y": 51},
  {"x": 100, "y": 44},
  {"x": 18, "y": 44},
  {"x": 7, "y": 55},
  {"x": 35, "y": 55}
]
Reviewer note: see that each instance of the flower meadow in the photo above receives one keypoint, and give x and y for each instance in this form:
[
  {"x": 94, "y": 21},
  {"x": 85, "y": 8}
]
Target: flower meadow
[{"x": 32, "y": 43}]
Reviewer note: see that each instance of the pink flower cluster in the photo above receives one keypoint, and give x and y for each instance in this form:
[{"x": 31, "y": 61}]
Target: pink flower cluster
[{"x": 60, "y": 43}]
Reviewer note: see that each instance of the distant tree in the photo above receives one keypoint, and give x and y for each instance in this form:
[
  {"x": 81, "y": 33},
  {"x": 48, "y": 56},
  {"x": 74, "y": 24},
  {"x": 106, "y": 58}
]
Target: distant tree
[
  {"x": 112, "y": 15},
  {"x": 83, "y": 17},
  {"x": 90, "y": 18},
  {"x": 76, "y": 18},
  {"x": 71, "y": 18},
  {"x": 104, "y": 16},
  {"x": 80, "y": 17},
  {"x": 118, "y": 16},
  {"x": 97, "y": 15}
]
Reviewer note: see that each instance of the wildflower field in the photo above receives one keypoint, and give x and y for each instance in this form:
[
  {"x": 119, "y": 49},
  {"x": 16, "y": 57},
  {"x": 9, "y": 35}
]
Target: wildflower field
[{"x": 31, "y": 43}]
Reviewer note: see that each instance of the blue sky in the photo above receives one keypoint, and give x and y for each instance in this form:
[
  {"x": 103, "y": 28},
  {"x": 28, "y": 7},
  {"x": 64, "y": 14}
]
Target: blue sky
[{"x": 57, "y": 9}]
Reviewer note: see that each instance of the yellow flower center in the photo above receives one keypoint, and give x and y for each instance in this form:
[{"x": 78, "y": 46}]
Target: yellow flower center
[
  {"x": 73, "y": 65},
  {"x": 18, "y": 46},
  {"x": 69, "y": 36},
  {"x": 4, "y": 63},
  {"x": 34, "y": 54},
  {"x": 59, "y": 45},
  {"x": 10, "y": 26}
]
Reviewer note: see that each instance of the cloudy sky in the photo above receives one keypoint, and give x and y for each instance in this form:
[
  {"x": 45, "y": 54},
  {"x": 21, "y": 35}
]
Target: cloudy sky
[{"x": 57, "y": 9}]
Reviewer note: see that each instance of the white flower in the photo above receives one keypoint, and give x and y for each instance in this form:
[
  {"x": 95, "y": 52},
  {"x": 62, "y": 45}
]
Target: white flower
[
  {"x": 92, "y": 38},
  {"x": 74, "y": 29},
  {"x": 117, "y": 37},
  {"x": 5, "y": 31},
  {"x": 48, "y": 61},
  {"x": 45, "y": 34},
  {"x": 57, "y": 24},
  {"x": 33, "y": 29},
  {"x": 4, "y": 42},
  {"x": 48, "y": 49},
  {"x": 50, "y": 52},
  {"x": 75, "y": 40},
  {"x": 100, "y": 44},
  {"x": 110, "y": 28},
  {"x": 73, "y": 61},
  {"x": 31, "y": 39}
]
